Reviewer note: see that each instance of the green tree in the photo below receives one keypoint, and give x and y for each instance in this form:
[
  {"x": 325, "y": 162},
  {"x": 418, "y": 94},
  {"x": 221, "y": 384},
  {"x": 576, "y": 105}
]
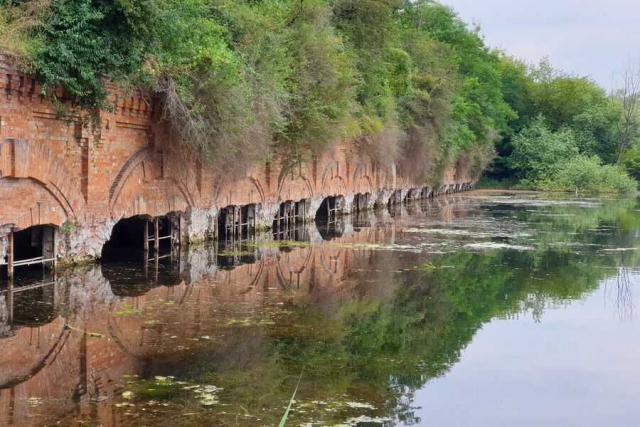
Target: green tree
[{"x": 538, "y": 152}]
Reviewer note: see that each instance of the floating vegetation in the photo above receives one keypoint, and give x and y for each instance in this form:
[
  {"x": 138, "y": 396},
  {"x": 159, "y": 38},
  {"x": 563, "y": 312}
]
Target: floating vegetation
[
  {"x": 249, "y": 322},
  {"x": 467, "y": 233},
  {"x": 497, "y": 246},
  {"x": 126, "y": 309},
  {"x": 34, "y": 401},
  {"x": 161, "y": 388},
  {"x": 229, "y": 253},
  {"x": 380, "y": 247},
  {"x": 277, "y": 244},
  {"x": 363, "y": 420}
]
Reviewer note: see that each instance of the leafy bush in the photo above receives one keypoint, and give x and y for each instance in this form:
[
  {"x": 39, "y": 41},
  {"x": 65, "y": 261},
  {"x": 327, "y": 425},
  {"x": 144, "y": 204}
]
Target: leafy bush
[
  {"x": 17, "y": 22},
  {"x": 538, "y": 152},
  {"x": 587, "y": 174},
  {"x": 631, "y": 160}
]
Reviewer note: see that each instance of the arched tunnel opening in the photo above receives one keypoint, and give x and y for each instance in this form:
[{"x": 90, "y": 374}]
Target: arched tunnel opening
[
  {"x": 142, "y": 239},
  {"x": 396, "y": 198},
  {"x": 330, "y": 208},
  {"x": 359, "y": 209},
  {"x": 29, "y": 253},
  {"x": 361, "y": 202},
  {"x": 329, "y": 217},
  {"x": 289, "y": 223},
  {"x": 127, "y": 240},
  {"x": 412, "y": 195},
  {"x": 237, "y": 223},
  {"x": 426, "y": 193}
]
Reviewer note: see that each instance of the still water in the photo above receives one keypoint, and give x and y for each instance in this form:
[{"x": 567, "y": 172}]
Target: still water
[{"x": 483, "y": 309}]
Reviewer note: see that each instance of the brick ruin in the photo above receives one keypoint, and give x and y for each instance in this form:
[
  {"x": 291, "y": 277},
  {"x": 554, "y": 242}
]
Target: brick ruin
[
  {"x": 51, "y": 373},
  {"x": 57, "y": 171}
]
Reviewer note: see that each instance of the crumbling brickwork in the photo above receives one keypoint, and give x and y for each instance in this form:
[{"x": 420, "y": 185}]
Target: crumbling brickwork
[{"x": 65, "y": 172}]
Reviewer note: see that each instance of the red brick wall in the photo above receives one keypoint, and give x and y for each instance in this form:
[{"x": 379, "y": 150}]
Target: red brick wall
[{"x": 67, "y": 171}]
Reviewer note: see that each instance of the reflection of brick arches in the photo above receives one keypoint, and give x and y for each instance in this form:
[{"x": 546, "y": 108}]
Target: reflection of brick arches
[
  {"x": 130, "y": 333},
  {"x": 28, "y": 360},
  {"x": 294, "y": 266},
  {"x": 139, "y": 188},
  {"x": 247, "y": 275},
  {"x": 329, "y": 267},
  {"x": 20, "y": 159}
]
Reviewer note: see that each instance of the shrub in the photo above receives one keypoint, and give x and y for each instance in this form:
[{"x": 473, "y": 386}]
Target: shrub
[
  {"x": 538, "y": 152},
  {"x": 586, "y": 174},
  {"x": 631, "y": 160}
]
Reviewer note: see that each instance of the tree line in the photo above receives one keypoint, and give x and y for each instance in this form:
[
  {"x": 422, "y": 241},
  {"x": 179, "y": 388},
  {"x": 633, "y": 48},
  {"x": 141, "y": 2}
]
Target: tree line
[{"x": 407, "y": 81}]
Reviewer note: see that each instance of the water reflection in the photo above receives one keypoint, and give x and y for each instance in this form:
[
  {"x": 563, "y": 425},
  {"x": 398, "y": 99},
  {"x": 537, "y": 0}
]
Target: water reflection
[{"x": 371, "y": 307}]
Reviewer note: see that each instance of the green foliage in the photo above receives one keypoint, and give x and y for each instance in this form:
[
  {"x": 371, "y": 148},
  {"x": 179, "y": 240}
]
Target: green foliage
[
  {"x": 322, "y": 78},
  {"x": 553, "y": 161},
  {"x": 538, "y": 152},
  {"x": 82, "y": 42},
  {"x": 587, "y": 174},
  {"x": 561, "y": 97},
  {"x": 17, "y": 21},
  {"x": 408, "y": 81},
  {"x": 567, "y": 103},
  {"x": 631, "y": 161}
]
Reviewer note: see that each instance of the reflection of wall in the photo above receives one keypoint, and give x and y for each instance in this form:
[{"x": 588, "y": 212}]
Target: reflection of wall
[
  {"x": 54, "y": 170},
  {"x": 68, "y": 369}
]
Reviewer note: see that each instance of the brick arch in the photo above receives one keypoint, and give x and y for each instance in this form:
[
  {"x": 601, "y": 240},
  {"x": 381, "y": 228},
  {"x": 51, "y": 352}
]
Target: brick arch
[
  {"x": 293, "y": 184},
  {"x": 246, "y": 191},
  {"x": 362, "y": 181},
  {"x": 295, "y": 189},
  {"x": 333, "y": 183},
  {"x": 20, "y": 159},
  {"x": 29, "y": 203},
  {"x": 140, "y": 189}
]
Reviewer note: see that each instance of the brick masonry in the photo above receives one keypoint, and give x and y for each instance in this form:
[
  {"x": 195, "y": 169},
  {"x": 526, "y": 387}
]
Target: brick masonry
[
  {"x": 49, "y": 374},
  {"x": 60, "y": 171}
]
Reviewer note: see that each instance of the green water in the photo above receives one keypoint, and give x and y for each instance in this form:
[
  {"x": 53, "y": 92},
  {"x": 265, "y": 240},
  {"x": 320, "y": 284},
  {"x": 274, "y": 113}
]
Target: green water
[{"x": 484, "y": 309}]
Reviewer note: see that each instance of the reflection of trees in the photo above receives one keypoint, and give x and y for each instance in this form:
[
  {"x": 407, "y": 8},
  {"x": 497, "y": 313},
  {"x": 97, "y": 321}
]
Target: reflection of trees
[
  {"x": 623, "y": 292},
  {"x": 381, "y": 347}
]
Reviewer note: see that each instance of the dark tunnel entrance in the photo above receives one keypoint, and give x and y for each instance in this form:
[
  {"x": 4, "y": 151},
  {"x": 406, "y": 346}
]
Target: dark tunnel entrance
[
  {"x": 329, "y": 217},
  {"x": 127, "y": 240},
  {"x": 289, "y": 223},
  {"x": 330, "y": 209},
  {"x": 237, "y": 223},
  {"x": 361, "y": 202},
  {"x": 29, "y": 251},
  {"x": 140, "y": 238}
]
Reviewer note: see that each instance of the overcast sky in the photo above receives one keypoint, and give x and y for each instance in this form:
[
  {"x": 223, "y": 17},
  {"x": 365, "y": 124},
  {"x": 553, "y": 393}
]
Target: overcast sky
[{"x": 588, "y": 37}]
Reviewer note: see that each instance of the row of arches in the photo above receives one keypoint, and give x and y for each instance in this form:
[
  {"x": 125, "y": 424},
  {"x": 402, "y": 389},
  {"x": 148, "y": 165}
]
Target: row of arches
[{"x": 154, "y": 239}]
